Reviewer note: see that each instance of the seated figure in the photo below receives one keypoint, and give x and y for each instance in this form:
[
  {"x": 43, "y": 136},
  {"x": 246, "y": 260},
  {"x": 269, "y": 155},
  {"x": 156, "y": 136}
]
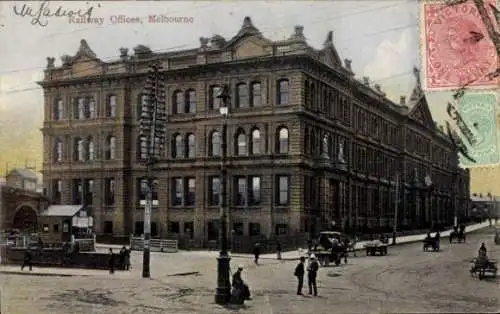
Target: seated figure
[{"x": 241, "y": 292}]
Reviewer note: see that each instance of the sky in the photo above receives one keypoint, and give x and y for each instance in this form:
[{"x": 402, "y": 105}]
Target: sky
[{"x": 382, "y": 39}]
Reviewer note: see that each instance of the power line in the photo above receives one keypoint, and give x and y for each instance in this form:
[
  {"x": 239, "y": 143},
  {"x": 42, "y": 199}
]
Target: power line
[{"x": 260, "y": 33}]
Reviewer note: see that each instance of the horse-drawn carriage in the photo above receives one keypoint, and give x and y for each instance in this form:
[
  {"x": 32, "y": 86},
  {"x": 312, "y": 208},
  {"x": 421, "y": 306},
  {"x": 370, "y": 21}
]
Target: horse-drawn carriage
[
  {"x": 377, "y": 246},
  {"x": 331, "y": 249},
  {"x": 483, "y": 267},
  {"x": 458, "y": 234},
  {"x": 431, "y": 243}
]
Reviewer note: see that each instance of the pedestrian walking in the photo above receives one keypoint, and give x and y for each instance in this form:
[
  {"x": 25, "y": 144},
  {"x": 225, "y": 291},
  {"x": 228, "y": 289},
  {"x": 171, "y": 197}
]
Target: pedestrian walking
[
  {"x": 312, "y": 272},
  {"x": 122, "y": 257},
  {"x": 111, "y": 261},
  {"x": 278, "y": 249},
  {"x": 299, "y": 273},
  {"x": 256, "y": 252},
  {"x": 27, "y": 260},
  {"x": 127, "y": 259}
]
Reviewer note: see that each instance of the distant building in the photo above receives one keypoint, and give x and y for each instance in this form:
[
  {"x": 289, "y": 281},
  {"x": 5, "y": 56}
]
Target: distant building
[
  {"x": 26, "y": 179},
  {"x": 484, "y": 206}
]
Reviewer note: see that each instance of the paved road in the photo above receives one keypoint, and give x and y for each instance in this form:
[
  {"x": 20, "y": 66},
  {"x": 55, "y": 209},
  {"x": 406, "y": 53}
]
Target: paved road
[{"x": 407, "y": 280}]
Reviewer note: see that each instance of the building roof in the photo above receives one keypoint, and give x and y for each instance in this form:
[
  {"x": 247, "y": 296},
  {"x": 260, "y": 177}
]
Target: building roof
[
  {"x": 62, "y": 210},
  {"x": 26, "y": 173}
]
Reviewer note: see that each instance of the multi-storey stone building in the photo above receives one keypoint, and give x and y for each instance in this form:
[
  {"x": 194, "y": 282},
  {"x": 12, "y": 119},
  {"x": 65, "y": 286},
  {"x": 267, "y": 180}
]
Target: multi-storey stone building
[{"x": 308, "y": 143}]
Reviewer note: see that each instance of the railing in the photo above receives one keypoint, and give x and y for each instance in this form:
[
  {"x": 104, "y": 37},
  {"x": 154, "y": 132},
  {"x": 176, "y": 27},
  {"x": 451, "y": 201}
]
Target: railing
[{"x": 155, "y": 245}]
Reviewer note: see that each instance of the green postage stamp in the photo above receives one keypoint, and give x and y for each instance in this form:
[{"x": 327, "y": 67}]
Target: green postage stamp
[{"x": 478, "y": 110}]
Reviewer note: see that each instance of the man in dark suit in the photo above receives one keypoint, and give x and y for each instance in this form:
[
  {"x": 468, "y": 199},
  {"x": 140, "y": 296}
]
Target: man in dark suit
[
  {"x": 299, "y": 273},
  {"x": 312, "y": 274},
  {"x": 27, "y": 261}
]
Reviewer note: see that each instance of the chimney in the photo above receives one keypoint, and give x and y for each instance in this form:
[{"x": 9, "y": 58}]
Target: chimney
[
  {"x": 124, "y": 53},
  {"x": 402, "y": 100},
  {"x": 366, "y": 80}
]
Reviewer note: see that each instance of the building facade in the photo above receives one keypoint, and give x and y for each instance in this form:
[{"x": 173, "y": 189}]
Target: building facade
[
  {"x": 26, "y": 179},
  {"x": 308, "y": 144}
]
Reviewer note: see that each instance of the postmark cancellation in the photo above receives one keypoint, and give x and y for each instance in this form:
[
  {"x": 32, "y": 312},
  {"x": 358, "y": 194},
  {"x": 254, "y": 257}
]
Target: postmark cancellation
[
  {"x": 479, "y": 113},
  {"x": 456, "y": 48}
]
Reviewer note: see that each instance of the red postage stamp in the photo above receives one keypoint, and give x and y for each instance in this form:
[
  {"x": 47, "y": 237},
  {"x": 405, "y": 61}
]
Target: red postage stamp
[{"x": 456, "y": 47}]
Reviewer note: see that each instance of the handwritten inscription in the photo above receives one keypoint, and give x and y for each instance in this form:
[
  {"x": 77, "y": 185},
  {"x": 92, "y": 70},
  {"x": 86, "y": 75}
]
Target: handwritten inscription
[{"x": 41, "y": 14}]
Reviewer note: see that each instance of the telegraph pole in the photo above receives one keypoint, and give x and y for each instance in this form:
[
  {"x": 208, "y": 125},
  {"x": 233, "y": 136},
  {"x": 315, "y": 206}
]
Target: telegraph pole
[
  {"x": 152, "y": 132},
  {"x": 396, "y": 203}
]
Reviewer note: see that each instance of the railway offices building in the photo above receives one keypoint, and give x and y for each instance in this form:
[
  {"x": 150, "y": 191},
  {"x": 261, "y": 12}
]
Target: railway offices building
[{"x": 308, "y": 143}]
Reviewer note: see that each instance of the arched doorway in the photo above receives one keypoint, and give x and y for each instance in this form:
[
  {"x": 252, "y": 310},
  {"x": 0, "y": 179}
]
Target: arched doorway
[{"x": 25, "y": 219}]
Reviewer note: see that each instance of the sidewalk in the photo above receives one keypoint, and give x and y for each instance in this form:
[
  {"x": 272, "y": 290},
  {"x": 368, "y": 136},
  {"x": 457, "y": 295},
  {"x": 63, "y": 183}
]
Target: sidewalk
[
  {"x": 295, "y": 255},
  {"x": 58, "y": 272}
]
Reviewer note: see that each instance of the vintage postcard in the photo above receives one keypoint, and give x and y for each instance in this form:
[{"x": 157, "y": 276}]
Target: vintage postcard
[{"x": 249, "y": 157}]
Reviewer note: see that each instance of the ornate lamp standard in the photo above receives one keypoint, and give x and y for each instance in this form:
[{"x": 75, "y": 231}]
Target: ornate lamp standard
[{"x": 223, "y": 291}]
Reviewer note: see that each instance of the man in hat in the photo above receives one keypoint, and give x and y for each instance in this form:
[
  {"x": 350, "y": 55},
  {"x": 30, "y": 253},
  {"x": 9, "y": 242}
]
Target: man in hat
[
  {"x": 312, "y": 272},
  {"x": 299, "y": 273}
]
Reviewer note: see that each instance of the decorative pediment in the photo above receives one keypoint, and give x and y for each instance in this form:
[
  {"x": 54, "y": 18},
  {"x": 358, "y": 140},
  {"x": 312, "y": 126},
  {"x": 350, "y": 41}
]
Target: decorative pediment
[
  {"x": 421, "y": 113},
  {"x": 252, "y": 47},
  {"x": 85, "y": 61},
  {"x": 329, "y": 54},
  {"x": 247, "y": 31}
]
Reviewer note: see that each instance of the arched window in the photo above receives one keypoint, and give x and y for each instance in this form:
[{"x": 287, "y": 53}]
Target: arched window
[
  {"x": 215, "y": 148},
  {"x": 282, "y": 140},
  {"x": 111, "y": 106},
  {"x": 191, "y": 146},
  {"x": 255, "y": 142},
  {"x": 142, "y": 148},
  {"x": 191, "y": 101},
  {"x": 178, "y": 102},
  {"x": 91, "y": 113},
  {"x": 283, "y": 90},
  {"x": 241, "y": 143},
  {"x": 78, "y": 150},
  {"x": 90, "y": 149},
  {"x": 142, "y": 101},
  {"x": 242, "y": 95},
  {"x": 111, "y": 148},
  {"x": 58, "y": 150},
  {"x": 256, "y": 95},
  {"x": 58, "y": 109},
  {"x": 306, "y": 141},
  {"x": 178, "y": 149}
]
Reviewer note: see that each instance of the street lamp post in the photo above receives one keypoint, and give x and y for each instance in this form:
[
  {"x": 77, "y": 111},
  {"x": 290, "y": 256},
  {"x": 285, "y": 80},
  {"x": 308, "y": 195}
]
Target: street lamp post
[
  {"x": 152, "y": 136},
  {"x": 396, "y": 204},
  {"x": 223, "y": 291}
]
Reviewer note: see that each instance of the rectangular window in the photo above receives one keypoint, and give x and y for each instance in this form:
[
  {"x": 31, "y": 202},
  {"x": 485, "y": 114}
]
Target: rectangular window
[
  {"x": 56, "y": 228},
  {"x": 254, "y": 191},
  {"x": 56, "y": 191},
  {"x": 242, "y": 93},
  {"x": 189, "y": 229},
  {"x": 89, "y": 191},
  {"x": 142, "y": 189},
  {"x": 256, "y": 100},
  {"x": 213, "y": 191},
  {"x": 254, "y": 228},
  {"x": 81, "y": 108},
  {"x": 191, "y": 105},
  {"x": 139, "y": 228},
  {"x": 190, "y": 191},
  {"x": 77, "y": 191},
  {"x": 154, "y": 229},
  {"x": 179, "y": 100},
  {"x": 111, "y": 112},
  {"x": 283, "y": 89},
  {"x": 212, "y": 230},
  {"x": 215, "y": 102},
  {"x": 177, "y": 192},
  {"x": 108, "y": 227},
  {"x": 91, "y": 108},
  {"x": 238, "y": 228},
  {"x": 281, "y": 229},
  {"x": 241, "y": 191},
  {"x": 174, "y": 227},
  {"x": 109, "y": 191},
  {"x": 59, "y": 114},
  {"x": 283, "y": 190}
]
